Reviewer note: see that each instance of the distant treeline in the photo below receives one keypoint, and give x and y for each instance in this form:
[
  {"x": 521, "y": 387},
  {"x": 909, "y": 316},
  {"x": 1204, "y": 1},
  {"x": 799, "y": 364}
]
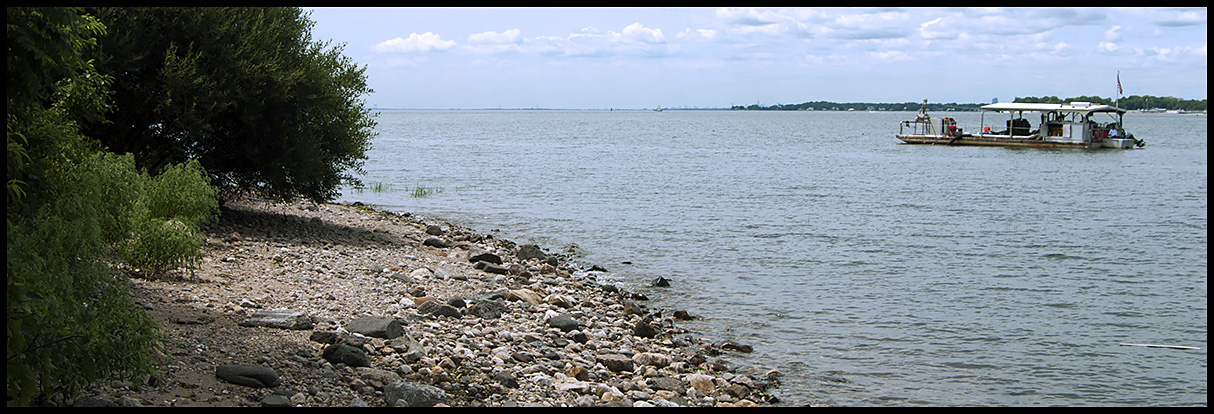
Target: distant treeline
[{"x": 1134, "y": 102}]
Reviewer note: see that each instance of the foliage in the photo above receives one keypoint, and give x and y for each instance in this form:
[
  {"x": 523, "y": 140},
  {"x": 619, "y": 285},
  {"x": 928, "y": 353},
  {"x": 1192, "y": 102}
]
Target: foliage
[
  {"x": 73, "y": 209},
  {"x": 246, "y": 91},
  {"x": 1132, "y": 103}
]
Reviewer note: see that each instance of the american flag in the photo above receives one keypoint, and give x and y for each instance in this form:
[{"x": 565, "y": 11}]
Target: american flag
[{"x": 1119, "y": 83}]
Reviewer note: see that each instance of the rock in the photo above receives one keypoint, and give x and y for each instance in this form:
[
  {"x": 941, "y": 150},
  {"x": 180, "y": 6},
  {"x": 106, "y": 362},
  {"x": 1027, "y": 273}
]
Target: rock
[
  {"x": 377, "y": 378},
  {"x": 633, "y": 308},
  {"x": 531, "y": 251},
  {"x": 433, "y": 307},
  {"x": 560, "y": 300},
  {"x": 702, "y": 382},
  {"x": 661, "y": 282},
  {"x": 525, "y": 295},
  {"x": 737, "y": 347},
  {"x": 682, "y": 315},
  {"x": 434, "y": 230},
  {"x": 644, "y": 330},
  {"x": 491, "y": 268},
  {"x": 736, "y": 391},
  {"x": 563, "y": 322},
  {"x": 421, "y": 274},
  {"x": 275, "y": 400},
  {"x": 324, "y": 337},
  {"x": 478, "y": 255},
  {"x": 577, "y": 372},
  {"x": 487, "y": 309},
  {"x": 409, "y": 394},
  {"x": 408, "y": 348},
  {"x": 376, "y": 326},
  {"x": 436, "y": 243},
  {"x": 249, "y": 375},
  {"x": 615, "y": 362},
  {"x": 278, "y": 318},
  {"x": 671, "y": 384},
  {"x": 649, "y": 358},
  {"x": 345, "y": 354},
  {"x": 506, "y": 379},
  {"x": 457, "y": 302}
]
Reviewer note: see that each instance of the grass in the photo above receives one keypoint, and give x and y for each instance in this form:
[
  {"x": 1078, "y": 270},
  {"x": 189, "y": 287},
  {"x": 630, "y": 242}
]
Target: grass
[{"x": 419, "y": 191}]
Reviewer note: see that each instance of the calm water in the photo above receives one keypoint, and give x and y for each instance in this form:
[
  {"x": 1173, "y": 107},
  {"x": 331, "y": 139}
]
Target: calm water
[{"x": 867, "y": 271}]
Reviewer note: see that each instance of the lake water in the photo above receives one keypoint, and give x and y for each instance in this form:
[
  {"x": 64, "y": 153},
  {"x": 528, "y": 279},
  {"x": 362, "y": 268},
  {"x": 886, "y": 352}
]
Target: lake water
[{"x": 868, "y": 272}]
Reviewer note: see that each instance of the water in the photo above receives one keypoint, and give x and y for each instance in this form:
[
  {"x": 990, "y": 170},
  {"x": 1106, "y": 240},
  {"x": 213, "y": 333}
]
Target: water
[{"x": 868, "y": 272}]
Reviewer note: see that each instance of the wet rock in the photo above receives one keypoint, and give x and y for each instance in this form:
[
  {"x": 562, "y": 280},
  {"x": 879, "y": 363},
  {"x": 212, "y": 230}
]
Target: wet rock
[
  {"x": 644, "y": 330},
  {"x": 249, "y": 375},
  {"x": 661, "y": 282}
]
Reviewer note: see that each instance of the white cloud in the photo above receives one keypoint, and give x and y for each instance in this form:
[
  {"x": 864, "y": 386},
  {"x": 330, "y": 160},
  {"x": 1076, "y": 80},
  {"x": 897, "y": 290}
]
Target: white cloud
[
  {"x": 1184, "y": 18},
  {"x": 1113, "y": 34},
  {"x": 506, "y": 37},
  {"x": 425, "y": 42},
  {"x": 637, "y": 32}
]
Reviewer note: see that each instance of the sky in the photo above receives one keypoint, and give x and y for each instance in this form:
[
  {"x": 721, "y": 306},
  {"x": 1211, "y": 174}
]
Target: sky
[{"x": 599, "y": 58}]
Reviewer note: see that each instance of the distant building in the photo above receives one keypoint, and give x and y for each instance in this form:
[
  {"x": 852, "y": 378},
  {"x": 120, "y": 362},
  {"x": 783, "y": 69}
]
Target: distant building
[{"x": 994, "y": 100}]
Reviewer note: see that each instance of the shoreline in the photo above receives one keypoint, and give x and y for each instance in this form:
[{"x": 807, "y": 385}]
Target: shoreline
[{"x": 347, "y": 305}]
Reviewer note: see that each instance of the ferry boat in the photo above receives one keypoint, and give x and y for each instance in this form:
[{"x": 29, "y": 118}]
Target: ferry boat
[{"x": 1037, "y": 125}]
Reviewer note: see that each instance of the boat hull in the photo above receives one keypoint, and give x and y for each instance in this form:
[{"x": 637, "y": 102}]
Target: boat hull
[{"x": 1007, "y": 141}]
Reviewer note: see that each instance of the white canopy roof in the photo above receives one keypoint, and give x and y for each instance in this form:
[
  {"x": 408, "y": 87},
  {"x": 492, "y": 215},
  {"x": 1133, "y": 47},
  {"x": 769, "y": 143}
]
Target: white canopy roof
[{"x": 1044, "y": 107}]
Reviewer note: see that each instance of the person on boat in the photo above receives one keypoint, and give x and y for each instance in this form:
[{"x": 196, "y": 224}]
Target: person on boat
[
  {"x": 1113, "y": 133},
  {"x": 986, "y": 130}
]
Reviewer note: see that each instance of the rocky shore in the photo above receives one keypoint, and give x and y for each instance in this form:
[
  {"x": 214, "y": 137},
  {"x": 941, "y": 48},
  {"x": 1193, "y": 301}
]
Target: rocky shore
[{"x": 331, "y": 305}]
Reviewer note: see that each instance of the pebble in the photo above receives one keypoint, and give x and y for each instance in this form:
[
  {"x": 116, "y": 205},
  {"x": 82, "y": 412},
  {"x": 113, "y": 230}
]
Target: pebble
[{"x": 409, "y": 313}]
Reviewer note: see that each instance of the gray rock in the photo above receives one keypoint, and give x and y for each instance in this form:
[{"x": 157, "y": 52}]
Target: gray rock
[
  {"x": 487, "y": 309},
  {"x": 478, "y": 255},
  {"x": 376, "y": 326},
  {"x": 431, "y": 307},
  {"x": 644, "y": 330},
  {"x": 249, "y": 375},
  {"x": 436, "y": 242},
  {"x": 615, "y": 362},
  {"x": 434, "y": 230},
  {"x": 409, "y": 394},
  {"x": 345, "y": 354},
  {"x": 671, "y": 384},
  {"x": 563, "y": 322},
  {"x": 506, "y": 379},
  {"x": 531, "y": 251},
  {"x": 279, "y": 318},
  {"x": 408, "y": 348},
  {"x": 491, "y": 268},
  {"x": 275, "y": 400}
]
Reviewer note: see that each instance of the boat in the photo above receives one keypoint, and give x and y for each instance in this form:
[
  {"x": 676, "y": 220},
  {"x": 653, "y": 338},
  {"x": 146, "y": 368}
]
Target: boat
[
  {"x": 1036, "y": 125},
  {"x": 658, "y": 109}
]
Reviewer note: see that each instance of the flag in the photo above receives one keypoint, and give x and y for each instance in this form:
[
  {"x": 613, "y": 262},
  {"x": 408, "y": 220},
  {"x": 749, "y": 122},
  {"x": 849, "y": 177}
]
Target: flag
[{"x": 1119, "y": 83}]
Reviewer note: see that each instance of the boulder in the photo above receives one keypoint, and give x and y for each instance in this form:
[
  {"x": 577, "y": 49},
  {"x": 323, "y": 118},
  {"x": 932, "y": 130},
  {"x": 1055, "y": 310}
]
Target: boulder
[
  {"x": 563, "y": 322},
  {"x": 478, "y": 255},
  {"x": 249, "y": 375},
  {"x": 615, "y": 362}
]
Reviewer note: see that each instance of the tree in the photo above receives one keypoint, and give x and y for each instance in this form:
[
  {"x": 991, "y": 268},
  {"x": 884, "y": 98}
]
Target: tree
[
  {"x": 243, "y": 90},
  {"x": 73, "y": 212}
]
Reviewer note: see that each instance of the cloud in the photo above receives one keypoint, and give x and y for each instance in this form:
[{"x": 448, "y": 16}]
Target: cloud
[
  {"x": 506, "y": 37},
  {"x": 1113, "y": 34},
  {"x": 638, "y": 33},
  {"x": 1185, "y": 18},
  {"x": 425, "y": 42}
]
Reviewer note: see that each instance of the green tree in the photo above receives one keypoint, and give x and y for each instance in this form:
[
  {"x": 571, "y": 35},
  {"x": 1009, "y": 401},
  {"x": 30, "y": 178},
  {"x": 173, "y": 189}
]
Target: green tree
[
  {"x": 246, "y": 91},
  {"x": 72, "y": 211}
]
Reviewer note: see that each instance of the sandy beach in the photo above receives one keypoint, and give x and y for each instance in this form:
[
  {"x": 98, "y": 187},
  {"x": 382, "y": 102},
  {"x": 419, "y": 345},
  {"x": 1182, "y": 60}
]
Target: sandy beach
[{"x": 298, "y": 304}]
